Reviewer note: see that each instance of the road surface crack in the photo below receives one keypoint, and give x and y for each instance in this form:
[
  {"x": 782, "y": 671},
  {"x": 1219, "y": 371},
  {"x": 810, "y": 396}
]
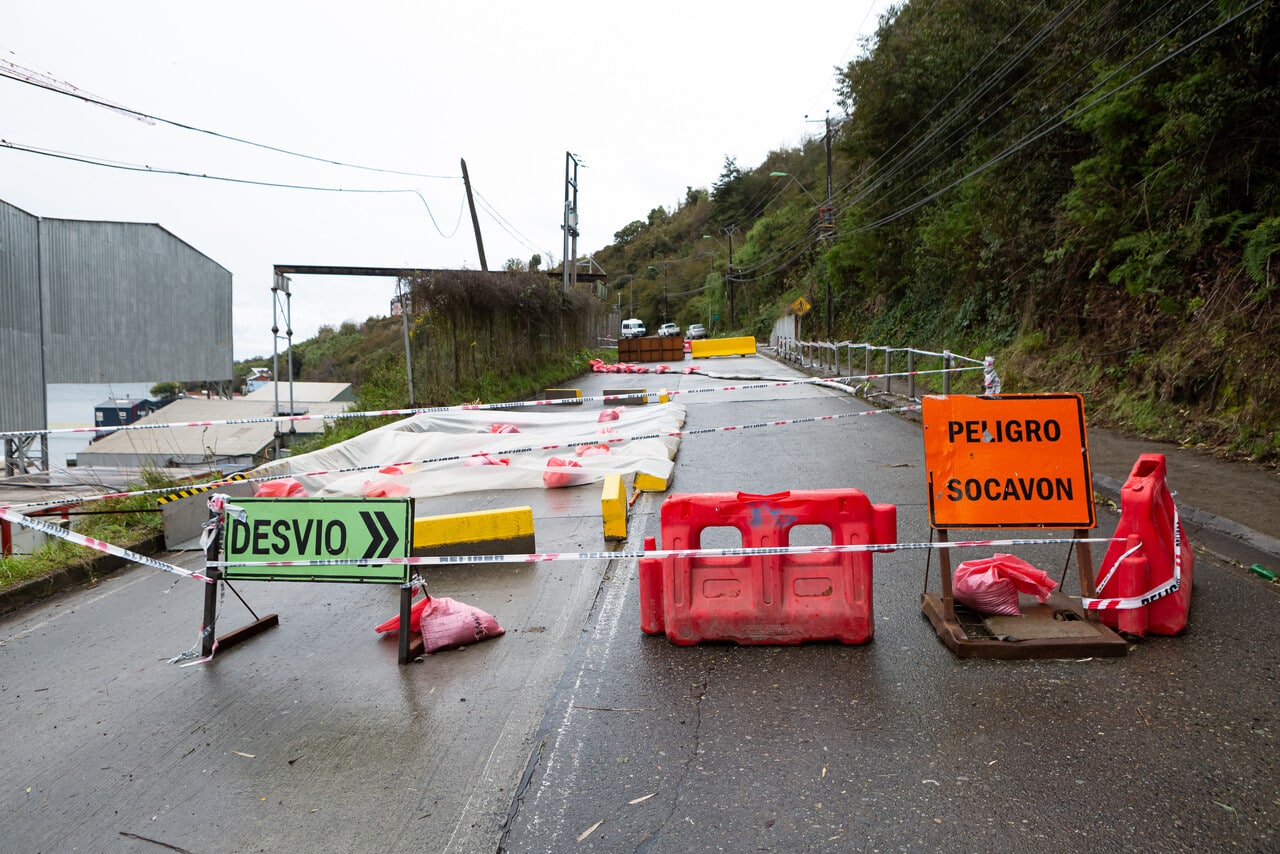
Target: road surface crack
[{"x": 697, "y": 692}]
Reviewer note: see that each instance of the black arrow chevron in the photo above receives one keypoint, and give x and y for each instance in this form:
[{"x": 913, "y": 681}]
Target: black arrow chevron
[{"x": 379, "y": 530}]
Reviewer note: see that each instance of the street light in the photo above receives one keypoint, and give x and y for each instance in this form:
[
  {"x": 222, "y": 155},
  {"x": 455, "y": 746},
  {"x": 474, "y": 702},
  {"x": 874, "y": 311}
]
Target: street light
[{"x": 791, "y": 177}]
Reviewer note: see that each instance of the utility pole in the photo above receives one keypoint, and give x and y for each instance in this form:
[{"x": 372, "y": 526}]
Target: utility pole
[
  {"x": 570, "y": 226},
  {"x": 827, "y": 142},
  {"x": 828, "y": 219},
  {"x": 826, "y": 214},
  {"x": 475, "y": 222},
  {"x": 728, "y": 271},
  {"x": 665, "y": 318},
  {"x": 403, "y": 291}
]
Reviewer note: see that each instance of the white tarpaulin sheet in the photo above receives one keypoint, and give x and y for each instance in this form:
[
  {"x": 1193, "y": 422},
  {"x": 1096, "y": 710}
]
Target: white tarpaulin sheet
[{"x": 462, "y": 435}]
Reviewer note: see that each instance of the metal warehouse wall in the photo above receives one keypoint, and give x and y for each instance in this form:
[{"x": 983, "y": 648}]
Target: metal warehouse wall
[
  {"x": 129, "y": 302},
  {"x": 21, "y": 367}
]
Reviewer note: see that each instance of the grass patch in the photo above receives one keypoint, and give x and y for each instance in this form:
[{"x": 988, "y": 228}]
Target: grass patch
[{"x": 122, "y": 525}]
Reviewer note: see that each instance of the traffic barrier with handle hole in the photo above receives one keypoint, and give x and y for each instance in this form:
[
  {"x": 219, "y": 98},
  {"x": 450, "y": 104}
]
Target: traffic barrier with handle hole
[
  {"x": 1144, "y": 582},
  {"x": 769, "y": 599}
]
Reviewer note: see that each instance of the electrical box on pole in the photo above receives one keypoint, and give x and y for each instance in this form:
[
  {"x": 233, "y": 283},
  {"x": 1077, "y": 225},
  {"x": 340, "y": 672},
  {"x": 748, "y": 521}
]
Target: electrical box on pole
[{"x": 570, "y": 226}]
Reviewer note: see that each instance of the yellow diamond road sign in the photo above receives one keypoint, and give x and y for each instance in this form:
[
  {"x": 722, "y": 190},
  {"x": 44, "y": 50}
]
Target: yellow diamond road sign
[{"x": 801, "y": 306}]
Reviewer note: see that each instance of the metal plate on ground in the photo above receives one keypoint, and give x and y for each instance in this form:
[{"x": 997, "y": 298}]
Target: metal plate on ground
[{"x": 1058, "y": 628}]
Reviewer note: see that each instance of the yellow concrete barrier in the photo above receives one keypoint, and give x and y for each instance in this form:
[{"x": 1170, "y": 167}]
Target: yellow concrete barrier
[
  {"x": 564, "y": 396},
  {"x": 613, "y": 506},
  {"x": 650, "y": 482},
  {"x": 507, "y": 531},
  {"x": 704, "y": 347},
  {"x": 628, "y": 396}
]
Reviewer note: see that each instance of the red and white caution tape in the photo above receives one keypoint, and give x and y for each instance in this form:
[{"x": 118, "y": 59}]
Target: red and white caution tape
[
  {"x": 89, "y": 542},
  {"x": 468, "y": 407},
  {"x": 544, "y": 557},
  {"x": 596, "y": 440},
  {"x": 1160, "y": 591}
]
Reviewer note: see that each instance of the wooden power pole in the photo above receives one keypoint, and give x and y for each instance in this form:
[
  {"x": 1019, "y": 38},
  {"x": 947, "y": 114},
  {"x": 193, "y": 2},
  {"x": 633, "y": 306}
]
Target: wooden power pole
[{"x": 475, "y": 221}]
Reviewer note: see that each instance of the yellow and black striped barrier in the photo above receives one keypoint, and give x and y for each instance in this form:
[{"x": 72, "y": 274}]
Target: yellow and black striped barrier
[{"x": 179, "y": 494}]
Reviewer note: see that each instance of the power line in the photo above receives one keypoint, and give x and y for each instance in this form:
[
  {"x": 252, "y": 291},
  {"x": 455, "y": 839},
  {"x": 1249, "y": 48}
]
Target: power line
[
  {"x": 139, "y": 114},
  {"x": 1071, "y": 111},
  {"x": 1061, "y": 117},
  {"x": 130, "y": 167},
  {"x": 506, "y": 225},
  {"x": 47, "y": 83}
]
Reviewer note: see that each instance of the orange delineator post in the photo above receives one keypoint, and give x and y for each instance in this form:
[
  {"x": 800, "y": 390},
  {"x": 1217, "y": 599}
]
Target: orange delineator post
[
  {"x": 764, "y": 599},
  {"x": 1154, "y": 547}
]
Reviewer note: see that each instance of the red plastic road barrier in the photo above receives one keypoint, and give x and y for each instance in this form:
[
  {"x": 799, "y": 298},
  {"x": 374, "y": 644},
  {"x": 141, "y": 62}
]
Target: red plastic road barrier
[
  {"x": 764, "y": 599},
  {"x": 1147, "y": 522}
]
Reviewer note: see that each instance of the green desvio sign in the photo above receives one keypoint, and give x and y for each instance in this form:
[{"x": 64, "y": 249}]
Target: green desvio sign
[{"x": 306, "y": 529}]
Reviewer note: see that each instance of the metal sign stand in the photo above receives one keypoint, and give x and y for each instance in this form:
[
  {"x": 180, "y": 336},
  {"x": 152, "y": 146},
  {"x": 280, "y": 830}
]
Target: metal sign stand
[
  {"x": 383, "y": 526},
  {"x": 1057, "y": 628},
  {"x": 1009, "y": 462},
  {"x": 208, "y": 640}
]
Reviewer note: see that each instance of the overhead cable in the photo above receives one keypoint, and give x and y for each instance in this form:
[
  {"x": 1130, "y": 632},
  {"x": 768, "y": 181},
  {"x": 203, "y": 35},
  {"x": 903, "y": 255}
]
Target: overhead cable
[
  {"x": 130, "y": 167},
  {"x": 139, "y": 114}
]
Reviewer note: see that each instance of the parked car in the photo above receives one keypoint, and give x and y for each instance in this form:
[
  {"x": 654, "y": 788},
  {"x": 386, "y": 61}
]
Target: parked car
[
  {"x": 633, "y": 327},
  {"x": 668, "y": 330},
  {"x": 696, "y": 330}
]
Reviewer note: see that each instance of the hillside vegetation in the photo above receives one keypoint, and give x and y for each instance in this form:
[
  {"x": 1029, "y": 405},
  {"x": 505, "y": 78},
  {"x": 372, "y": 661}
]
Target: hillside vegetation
[{"x": 1088, "y": 190}]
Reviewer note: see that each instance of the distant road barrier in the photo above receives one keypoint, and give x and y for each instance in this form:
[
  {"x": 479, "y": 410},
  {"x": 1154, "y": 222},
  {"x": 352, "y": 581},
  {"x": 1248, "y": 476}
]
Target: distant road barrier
[{"x": 707, "y": 347}]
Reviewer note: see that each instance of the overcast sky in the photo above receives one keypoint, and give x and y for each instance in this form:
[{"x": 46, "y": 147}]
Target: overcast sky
[{"x": 651, "y": 98}]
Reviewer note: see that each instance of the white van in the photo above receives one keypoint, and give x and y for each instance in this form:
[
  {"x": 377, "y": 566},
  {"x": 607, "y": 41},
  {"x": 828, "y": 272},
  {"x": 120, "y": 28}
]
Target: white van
[{"x": 633, "y": 327}]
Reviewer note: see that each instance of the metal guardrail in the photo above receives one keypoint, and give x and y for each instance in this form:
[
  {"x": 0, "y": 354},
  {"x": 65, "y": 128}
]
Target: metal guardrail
[{"x": 838, "y": 359}]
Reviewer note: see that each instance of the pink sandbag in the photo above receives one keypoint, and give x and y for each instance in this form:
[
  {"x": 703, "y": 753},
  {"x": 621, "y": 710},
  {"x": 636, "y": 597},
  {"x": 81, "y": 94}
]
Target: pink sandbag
[
  {"x": 991, "y": 586},
  {"x": 592, "y": 450},
  {"x": 610, "y": 414},
  {"x": 447, "y": 623},
  {"x": 486, "y": 460},
  {"x": 384, "y": 489},
  {"x": 415, "y": 618},
  {"x": 503, "y": 428},
  {"x": 555, "y": 475},
  {"x": 284, "y": 488}
]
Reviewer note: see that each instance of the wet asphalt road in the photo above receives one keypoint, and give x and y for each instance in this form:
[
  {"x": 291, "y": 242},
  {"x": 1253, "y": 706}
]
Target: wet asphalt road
[{"x": 311, "y": 737}]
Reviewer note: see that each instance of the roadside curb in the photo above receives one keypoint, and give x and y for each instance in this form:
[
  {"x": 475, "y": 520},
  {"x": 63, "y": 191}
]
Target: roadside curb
[
  {"x": 1223, "y": 533},
  {"x": 28, "y": 593}
]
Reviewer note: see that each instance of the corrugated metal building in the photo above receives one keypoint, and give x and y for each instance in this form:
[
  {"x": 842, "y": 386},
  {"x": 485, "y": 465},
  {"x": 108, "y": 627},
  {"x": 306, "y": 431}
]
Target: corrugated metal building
[
  {"x": 133, "y": 302},
  {"x": 103, "y": 302},
  {"x": 22, "y": 403}
]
